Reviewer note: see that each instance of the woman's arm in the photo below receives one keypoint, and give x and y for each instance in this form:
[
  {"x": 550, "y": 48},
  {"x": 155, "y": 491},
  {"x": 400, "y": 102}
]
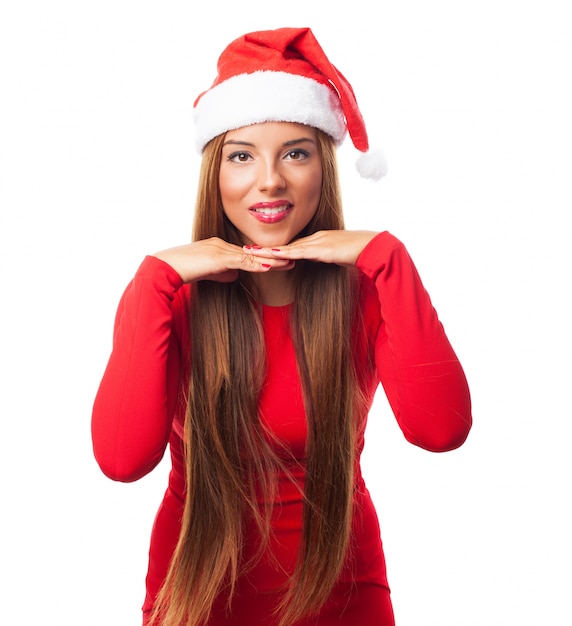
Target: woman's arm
[
  {"x": 421, "y": 374},
  {"x": 422, "y": 377},
  {"x": 134, "y": 405}
]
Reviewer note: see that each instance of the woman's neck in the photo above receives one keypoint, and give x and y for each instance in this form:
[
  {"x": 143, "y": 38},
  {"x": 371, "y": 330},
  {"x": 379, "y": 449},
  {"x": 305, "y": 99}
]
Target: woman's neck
[{"x": 275, "y": 288}]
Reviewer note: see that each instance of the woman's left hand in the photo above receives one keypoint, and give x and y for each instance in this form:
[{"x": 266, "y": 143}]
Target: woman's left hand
[{"x": 341, "y": 247}]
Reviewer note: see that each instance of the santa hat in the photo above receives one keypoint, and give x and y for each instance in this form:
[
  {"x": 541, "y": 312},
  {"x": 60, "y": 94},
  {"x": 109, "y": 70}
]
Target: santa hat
[{"x": 283, "y": 75}]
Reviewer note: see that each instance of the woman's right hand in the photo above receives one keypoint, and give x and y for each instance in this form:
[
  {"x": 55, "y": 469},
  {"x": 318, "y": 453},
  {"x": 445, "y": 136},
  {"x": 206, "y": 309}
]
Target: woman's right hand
[{"x": 216, "y": 259}]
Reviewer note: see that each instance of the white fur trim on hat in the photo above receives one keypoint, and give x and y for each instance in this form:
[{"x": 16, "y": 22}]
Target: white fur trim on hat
[
  {"x": 267, "y": 96},
  {"x": 372, "y": 165}
]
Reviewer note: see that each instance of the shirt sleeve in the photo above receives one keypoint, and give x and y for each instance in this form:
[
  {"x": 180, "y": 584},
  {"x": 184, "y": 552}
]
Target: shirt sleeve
[
  {"x": 133, "y": 408},
  {"x": 420, "y": 373}
]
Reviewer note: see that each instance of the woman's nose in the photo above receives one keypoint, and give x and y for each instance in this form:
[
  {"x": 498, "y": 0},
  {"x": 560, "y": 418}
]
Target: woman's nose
[{"x": 270, "y": 177}]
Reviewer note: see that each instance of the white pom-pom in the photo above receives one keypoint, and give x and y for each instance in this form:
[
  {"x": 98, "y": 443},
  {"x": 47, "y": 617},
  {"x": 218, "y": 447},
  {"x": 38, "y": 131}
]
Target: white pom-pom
[{"x": 372, "y": 165}]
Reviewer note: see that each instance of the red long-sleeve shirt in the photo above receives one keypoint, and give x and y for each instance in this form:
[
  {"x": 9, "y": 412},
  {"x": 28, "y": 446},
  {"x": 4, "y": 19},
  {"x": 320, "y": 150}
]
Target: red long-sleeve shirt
[{"x": 138, "y": 411}]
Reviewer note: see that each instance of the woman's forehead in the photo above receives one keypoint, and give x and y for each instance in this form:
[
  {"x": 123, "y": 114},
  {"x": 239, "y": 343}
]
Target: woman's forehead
[{"x": 271, "y": 130}]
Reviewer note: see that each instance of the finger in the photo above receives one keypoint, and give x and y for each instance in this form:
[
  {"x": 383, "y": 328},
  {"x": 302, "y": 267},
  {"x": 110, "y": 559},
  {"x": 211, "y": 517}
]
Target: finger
[
  {"x": 340, "y": 247},
  {"x": 297, "y": 251},
  {"x": 284, "y": 253},
  {"x": 289, "y": 266},
  {"x": 261, "y": 262},
  {"x": 264, "y": 254}
]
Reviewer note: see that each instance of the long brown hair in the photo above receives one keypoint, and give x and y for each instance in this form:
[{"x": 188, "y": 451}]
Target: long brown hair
[{"x": 228, "y": 456}]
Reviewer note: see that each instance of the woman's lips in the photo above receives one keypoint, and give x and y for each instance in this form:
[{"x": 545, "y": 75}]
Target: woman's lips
[{"x": 271, "y": 212}]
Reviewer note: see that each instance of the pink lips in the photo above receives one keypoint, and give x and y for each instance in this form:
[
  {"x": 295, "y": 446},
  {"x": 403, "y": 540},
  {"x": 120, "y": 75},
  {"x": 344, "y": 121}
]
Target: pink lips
[{"x": 271, "y": 212}]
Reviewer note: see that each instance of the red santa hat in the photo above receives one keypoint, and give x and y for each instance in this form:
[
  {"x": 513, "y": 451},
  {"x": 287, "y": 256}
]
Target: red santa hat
[{"x": 283, "y": 75}]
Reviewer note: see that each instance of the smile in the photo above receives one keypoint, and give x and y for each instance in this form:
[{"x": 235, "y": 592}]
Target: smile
[{"x": 271, "y": 213}]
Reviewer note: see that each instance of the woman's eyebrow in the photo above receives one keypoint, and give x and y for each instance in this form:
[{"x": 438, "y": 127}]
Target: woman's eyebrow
[
  {"x": 286, "y": 144},
  {"x": 236, "y": 142},
  {"x": 294, "y": 142}
]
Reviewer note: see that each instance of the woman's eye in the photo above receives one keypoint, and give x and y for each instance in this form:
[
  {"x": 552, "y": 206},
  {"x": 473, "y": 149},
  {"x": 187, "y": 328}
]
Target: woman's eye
[
  {"x": 239, "y": 157},
  {"x": 297, "y": 155}
]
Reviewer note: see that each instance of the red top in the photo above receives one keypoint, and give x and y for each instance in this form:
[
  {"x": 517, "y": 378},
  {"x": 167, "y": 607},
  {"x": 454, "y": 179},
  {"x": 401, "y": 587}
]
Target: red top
[{"x": 137, "y": 411}]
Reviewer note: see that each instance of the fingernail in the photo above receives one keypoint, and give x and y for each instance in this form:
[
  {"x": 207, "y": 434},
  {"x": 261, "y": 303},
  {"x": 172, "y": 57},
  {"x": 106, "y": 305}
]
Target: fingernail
[
  {"x": 247, "y": 247},
  {"x": 256, "y": 247},
  {"x": 275, "y": 249},
  {"x": 265, "y": 265}
]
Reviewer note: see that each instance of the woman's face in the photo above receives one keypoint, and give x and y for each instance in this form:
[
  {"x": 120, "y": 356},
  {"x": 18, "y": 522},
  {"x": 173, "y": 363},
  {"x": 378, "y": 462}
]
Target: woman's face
[{"x": 270, "y": 181}]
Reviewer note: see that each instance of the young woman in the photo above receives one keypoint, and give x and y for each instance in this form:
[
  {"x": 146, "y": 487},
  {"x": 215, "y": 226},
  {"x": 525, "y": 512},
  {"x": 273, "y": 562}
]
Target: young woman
[{"x": 255, "y": 352}]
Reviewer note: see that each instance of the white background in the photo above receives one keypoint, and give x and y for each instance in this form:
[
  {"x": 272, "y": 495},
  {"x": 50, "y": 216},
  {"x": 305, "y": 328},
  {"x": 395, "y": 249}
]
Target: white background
[{"x": 471, "y": 104}]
